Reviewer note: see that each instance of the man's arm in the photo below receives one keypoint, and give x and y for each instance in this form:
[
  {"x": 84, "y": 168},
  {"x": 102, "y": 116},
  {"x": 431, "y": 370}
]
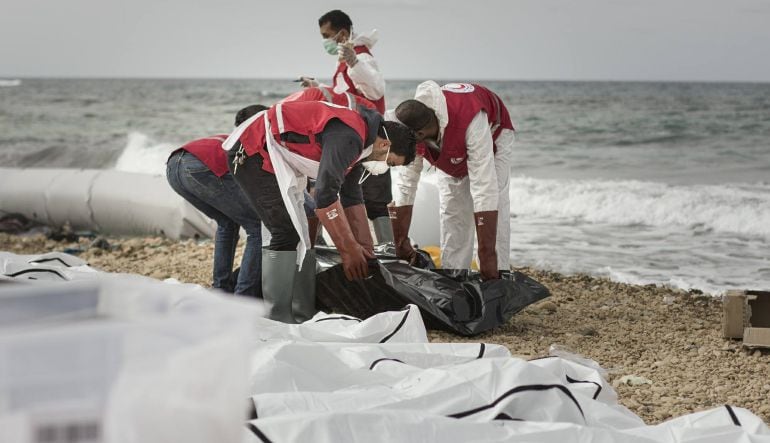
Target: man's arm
[
  {"x": 407, "y": 178},
  {"x": 351, "y": 193},
  {"x": 484, "y": 191},
  {"x": 481, "y": 164},
  {"x": 367, "y": 78},
  {"x": 341, "y": 146}
]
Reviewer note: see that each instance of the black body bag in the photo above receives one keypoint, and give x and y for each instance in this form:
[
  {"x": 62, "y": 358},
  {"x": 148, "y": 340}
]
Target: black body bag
[{"x": 451, "y": 300}]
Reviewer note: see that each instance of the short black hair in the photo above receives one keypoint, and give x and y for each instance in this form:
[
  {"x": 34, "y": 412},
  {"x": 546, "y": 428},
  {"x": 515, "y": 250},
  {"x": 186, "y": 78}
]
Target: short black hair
[
  {"x": 247, "y": 112},
  {"x": 414, "y": 114},
  {"x": 337, "y": 19},
  {"x": 402, "y": 139}
]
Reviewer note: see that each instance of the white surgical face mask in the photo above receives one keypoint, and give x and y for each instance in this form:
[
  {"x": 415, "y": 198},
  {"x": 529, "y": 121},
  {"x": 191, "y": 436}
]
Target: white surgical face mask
[
  {"x": 375, "y": 167},
  {"x": 331, "y": 46}
]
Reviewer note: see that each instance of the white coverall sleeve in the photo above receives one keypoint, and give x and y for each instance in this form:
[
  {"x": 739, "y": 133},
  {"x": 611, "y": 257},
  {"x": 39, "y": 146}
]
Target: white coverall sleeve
[
  {"x": 407, "y": 178},
  {"x": 367, "y": 77},
  {"x": 481, "y": 164}
]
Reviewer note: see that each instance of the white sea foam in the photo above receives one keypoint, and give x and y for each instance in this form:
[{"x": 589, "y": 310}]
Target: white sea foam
[
  {"x": 740, "y": 209},
  {"x": 9, "y": 82},
  {"x": 144, "y": 155}
]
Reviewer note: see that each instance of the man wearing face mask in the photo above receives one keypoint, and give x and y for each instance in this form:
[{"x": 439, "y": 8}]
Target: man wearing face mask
[
  {"x": 466, "y": 133},
  {"x": 357, "y": 70},
  {"x": 273, "y": 153},
  {"x": 350, "y": 101},
  {"x": 358, "y": 74}
]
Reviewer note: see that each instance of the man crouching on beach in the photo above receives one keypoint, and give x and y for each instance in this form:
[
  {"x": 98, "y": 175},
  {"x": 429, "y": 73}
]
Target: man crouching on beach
[
  {"x": 272, "y": 154},
  {"x": 198, "y": 172}
]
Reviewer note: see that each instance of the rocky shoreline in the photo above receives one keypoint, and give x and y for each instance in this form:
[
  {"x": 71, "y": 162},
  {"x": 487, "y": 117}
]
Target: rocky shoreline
[{"x": 662, "y": 347}]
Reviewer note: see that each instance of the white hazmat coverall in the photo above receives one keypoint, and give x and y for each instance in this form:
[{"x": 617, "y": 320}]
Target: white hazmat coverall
[
  {"x": 485, "y": 188},
  {"x": 366, "y": 75}
]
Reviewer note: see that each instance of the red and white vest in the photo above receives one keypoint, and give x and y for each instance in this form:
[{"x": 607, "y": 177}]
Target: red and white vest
[
  {"x": 303, "y": 118},
  {"x": 209, "y": 151},
  {"x": 464, "y": 101},
  {"x": 342, "y": 68},
  {"x": 327, "y": 94}
]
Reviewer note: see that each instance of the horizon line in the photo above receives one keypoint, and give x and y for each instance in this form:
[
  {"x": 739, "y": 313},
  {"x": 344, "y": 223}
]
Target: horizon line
[{"x": 405, "y": 79}]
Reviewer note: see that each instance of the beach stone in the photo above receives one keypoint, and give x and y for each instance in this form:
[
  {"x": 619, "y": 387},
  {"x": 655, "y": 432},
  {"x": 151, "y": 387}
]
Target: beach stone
[{"x": 548, "y": 306}]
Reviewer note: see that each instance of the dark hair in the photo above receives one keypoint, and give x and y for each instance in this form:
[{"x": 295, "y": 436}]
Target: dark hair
[
  {"x": 402, "y": 139},
  {"x": 247, "y": 112},
  {"x": 337, "y": 19},
  {"x": 414, "y": 114}
]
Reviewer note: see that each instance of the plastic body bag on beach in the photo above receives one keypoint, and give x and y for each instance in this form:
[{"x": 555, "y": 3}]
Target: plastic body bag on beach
[
  {"x": 127, "y": 359},
  {"x": 122, "y": 358},
  {"x": 452, "y": 300},
  {"x": 347, "y": 385}
]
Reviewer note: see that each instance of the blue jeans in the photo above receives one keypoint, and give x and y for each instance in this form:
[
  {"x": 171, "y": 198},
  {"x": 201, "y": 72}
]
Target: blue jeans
[{"x": 222, "y": 199}]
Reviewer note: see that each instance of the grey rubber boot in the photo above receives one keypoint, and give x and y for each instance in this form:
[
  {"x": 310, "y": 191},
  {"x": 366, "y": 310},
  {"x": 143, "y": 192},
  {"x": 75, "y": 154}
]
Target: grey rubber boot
[
  {"x": 383, "y": 230},
  {"x": 303, "y": 302},
  {"x": 279, "y": 272}
]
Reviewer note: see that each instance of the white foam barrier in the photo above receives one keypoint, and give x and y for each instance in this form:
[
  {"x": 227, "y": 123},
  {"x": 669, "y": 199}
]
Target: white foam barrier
[{"x": 107, "y": 201}]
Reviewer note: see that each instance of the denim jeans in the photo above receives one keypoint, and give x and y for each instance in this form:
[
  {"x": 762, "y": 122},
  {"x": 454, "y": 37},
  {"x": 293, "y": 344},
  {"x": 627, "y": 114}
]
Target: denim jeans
[{"x": 222, "y": 199}]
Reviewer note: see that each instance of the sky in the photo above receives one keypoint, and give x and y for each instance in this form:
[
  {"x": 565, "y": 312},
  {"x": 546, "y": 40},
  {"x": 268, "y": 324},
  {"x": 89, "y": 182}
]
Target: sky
[{"x": 649, "y": 40}]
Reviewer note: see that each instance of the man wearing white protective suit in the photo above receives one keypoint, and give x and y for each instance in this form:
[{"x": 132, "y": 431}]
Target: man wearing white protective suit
[
  {"x": 272, "y": 154},
  {"x": 466, "y": 133},
  {"x": 357, "y": 70},
  {"x": 358, "y": 74}
]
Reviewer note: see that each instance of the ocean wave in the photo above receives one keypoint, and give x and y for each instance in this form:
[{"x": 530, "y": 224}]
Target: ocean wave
[
  {"x": 10, "y": 82},
  {"x": 686, "y": 284},
  {"x": 144, "y": 155},
  {"x": 742, "y": 209}
]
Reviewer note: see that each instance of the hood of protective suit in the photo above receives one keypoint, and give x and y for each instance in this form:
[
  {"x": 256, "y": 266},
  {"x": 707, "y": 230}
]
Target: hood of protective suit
[
  {"x": 390, "y": 116},
  {"x": 429, "y": 93},
  {"x": 368, "y": 39}
]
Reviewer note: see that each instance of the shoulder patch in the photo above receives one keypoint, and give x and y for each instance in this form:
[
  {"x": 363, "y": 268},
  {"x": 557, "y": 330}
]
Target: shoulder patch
[{"x": 460, "y": 88}]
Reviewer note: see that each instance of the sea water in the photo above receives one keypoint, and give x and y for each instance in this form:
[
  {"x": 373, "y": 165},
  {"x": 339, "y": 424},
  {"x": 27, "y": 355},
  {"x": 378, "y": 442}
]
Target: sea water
[{"x": 665, "y": 183}]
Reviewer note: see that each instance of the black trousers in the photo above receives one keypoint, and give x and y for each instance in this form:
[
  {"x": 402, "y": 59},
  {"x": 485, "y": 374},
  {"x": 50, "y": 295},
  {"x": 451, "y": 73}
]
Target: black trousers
[
  {"x": 261, "y": 189},
  {"x": 377, "y": 195}
]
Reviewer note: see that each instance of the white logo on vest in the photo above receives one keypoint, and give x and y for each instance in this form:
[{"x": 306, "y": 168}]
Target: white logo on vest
[
  {"x": 460, "y": 88},
  {"x": 456, "y": 160}
]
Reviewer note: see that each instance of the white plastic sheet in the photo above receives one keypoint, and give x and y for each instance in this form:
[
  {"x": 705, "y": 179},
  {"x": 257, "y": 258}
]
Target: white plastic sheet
[
  {"x": 122, "y": 359},
  {"x": 329, "y": 392}
]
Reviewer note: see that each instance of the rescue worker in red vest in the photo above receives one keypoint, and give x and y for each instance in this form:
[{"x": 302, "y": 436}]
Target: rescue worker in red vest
[
  {"x": 327, "y": 94},
  {"x": 198, "y": 172},
  {"x": 466, "y": 133},
  {"x": 272, "y": 154},
  {"x": 350, "y": 101},
  {"x": 357, "y": 73}
]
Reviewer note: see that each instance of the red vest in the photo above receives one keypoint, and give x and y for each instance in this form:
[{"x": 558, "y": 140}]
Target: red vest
[
  {"x": 464, "y": 101},
  {"x": 303, "y": 118},
  {"x": 342, "y": 67},
  {"x": 327, "y": 94},
  {"x": 209, "y": 151}
]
